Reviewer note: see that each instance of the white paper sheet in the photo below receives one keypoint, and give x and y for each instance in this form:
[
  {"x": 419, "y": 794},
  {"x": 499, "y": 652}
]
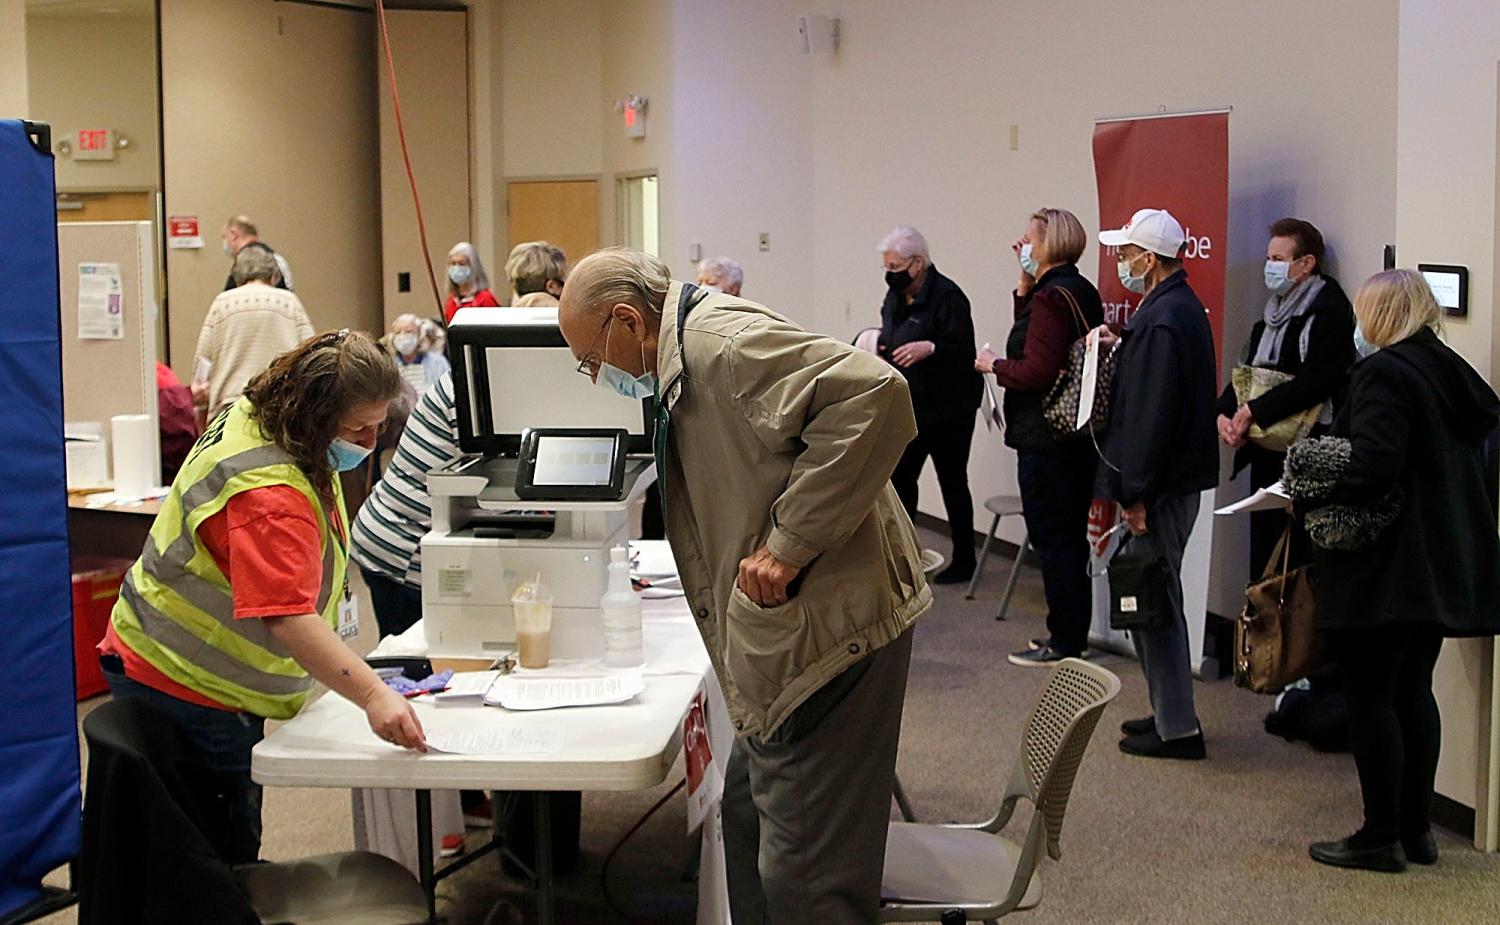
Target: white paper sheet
[
  {"x": 652, "y": 559},
  {"x": 493, "y": 741},
  {"x": 1270, "y": 498},
  {"x": 466, "y": 687},
  {"x": 1090, "y": 382},
  {"x": 994, "y": 418},
  {"x": 101, "y": 302},
  {"x": 537, "y": 691}
]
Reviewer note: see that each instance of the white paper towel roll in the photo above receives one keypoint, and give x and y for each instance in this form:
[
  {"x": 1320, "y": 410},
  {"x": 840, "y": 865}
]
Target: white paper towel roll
[{"x": 135, "y": 452}]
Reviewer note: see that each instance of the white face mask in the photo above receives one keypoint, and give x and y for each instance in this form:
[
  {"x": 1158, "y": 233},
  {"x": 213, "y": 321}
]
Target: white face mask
[
  {"x": 405, "y": 342},
  {"x": 460, "y": 274}
]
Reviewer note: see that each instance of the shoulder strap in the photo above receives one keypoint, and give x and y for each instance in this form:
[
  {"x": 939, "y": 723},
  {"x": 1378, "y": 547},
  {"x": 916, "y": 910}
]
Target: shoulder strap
[
  {"x": 689, "y": 300},
  {"x": 1083, "y": 323}
]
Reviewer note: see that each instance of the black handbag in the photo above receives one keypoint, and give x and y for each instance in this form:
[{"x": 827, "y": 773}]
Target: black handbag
[{"x": 1140, "y": 595}]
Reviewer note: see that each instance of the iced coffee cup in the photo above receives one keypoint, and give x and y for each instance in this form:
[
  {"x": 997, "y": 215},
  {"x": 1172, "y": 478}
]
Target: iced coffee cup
[{"x": 532, "y": 603}]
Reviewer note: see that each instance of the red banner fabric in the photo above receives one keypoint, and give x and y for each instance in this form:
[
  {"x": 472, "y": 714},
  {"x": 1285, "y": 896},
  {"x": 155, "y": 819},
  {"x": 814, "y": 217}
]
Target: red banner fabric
[{"x": 1177, "y": 163}]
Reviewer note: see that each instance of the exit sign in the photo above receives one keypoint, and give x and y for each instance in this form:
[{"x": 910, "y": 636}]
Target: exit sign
[{"x": 94, "y": 144}]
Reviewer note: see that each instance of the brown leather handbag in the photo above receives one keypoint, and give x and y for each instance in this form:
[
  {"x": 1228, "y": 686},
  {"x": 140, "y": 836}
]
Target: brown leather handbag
[{"x": 1275, "y": 639}]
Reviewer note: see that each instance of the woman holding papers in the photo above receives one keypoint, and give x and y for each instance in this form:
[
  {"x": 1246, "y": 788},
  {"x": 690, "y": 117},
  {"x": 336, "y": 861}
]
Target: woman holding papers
[
  {"x": 240, "y": 597},
  {"x": 1055, "y": 306},
  {"x": 1305, "y": 336}
]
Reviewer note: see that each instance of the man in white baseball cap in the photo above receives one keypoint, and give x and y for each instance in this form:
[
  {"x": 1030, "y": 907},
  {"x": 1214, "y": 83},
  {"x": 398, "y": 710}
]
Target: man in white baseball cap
[{"x": 1159, "y": 454}]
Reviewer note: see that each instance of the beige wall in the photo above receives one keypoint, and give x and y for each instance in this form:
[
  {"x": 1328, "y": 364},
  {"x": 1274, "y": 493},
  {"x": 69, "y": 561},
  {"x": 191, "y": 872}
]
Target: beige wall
[
  {"x": 431, "y": 52},
  {"x": 14, "y": 103},
  {"x": 271, "y": 109},
  {"x": 1447, "y": 203},
  {"x": 98, "y": 72}
]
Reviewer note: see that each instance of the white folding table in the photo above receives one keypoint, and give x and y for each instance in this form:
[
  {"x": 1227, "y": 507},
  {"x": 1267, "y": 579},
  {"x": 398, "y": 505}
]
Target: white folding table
[{"x": 628, "y": 746}]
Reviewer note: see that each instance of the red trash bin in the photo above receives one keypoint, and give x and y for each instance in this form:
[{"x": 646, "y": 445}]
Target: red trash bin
[{"x": 96, "y": 587}]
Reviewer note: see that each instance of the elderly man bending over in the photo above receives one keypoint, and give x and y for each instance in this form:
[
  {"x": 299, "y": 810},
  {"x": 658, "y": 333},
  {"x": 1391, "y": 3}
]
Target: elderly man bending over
[{"x": 775, "y": 449}]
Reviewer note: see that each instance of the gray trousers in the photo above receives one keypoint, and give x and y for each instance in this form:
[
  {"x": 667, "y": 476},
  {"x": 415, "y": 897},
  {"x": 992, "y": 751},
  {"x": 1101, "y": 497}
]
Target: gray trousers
[
  {"x": 1164, "y": 652},
  {"x": 805, "y": 810}
]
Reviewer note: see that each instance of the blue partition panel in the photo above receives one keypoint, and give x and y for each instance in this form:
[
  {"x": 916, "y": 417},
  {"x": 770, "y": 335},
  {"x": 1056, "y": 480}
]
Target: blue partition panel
[{"x": 39, "y": 775}]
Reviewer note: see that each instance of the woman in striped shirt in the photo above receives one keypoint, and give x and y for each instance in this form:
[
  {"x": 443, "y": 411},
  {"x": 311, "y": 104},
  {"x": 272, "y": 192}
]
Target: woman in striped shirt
[{"x": 387, "y": 535}]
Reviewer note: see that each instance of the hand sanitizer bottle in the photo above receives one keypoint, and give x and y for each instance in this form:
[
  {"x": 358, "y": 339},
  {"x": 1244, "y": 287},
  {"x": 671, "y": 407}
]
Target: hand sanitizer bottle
[{"x": 622, "y": 615}]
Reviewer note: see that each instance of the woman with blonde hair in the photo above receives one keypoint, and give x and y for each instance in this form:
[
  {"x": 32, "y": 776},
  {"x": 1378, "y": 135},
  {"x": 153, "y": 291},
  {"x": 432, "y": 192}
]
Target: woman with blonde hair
[
  {"x": 1054, "y": 306},
  {"x": 468, "y": 284},
  {"x": 240, "y": 597},
  {"x": 1395, "y": 501}
]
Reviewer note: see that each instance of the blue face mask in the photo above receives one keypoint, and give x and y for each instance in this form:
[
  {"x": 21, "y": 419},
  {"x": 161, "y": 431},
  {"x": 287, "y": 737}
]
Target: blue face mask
[
  {"x": 460, "y": 274},
  {"x": 343, "y": 455},
  {"x": 1135, "y": 284},
  {"x": 1278, "y": 278},
  {"x": 1029, "y": 266},
  {"x": 1361, "y": 346},
  {"x": 623, "y": 383}
]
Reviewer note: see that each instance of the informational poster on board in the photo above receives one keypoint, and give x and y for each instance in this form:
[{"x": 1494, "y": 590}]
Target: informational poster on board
[{"x": 101, "y": 302}]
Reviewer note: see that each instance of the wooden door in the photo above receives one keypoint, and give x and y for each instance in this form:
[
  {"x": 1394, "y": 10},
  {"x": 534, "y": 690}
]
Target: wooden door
[
  {"x": 106, "y": 207},
  {"x": 563, "y": 212}
]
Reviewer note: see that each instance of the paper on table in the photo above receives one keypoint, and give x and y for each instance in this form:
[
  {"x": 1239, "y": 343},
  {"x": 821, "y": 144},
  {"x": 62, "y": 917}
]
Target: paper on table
[
  {"x": 1270, "y": 498},
  {"x": 517, "y": 692},
  {"x": 1090, "y": 383},
  {"x": 652, "y": 559},
  {"x": 466, "y": 686},
  {"x": 493, "y": 741}
]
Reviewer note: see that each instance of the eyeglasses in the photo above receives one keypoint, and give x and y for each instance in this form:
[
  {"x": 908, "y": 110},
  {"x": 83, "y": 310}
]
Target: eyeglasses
[{"x": 589, "y": 365}]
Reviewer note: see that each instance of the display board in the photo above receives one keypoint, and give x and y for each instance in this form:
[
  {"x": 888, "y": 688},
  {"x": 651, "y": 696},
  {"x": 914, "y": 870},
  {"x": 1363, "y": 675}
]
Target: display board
[
  {"x": 40, "y": 800},
  {"x": 106, "y": 376}
]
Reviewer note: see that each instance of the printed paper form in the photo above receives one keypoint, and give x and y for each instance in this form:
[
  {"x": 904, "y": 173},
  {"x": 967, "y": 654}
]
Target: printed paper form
[{"x": 518, "y": 692}]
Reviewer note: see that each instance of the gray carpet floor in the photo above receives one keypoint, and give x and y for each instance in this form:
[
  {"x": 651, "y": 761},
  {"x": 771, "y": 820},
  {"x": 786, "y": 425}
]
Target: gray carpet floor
[{"x": 1224, "y": 840}]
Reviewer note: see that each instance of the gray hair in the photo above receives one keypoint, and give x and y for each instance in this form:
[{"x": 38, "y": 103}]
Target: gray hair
[
  {"x": 531, "y": 264},
  {"x": 256, "y": 263},
  {"x": 480, "y": 279},
  {"x": 724, "y": 270},
  {"x": 616, "y": 274},
  {"x": 907, "y": 242}
]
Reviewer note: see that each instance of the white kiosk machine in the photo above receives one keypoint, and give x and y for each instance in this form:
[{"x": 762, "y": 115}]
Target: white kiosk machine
[{"x": 555, "y": 463}]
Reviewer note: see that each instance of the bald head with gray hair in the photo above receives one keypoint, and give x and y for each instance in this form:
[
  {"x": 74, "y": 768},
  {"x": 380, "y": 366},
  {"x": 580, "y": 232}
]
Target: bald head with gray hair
[
  {"x": 611, "y": 290},
  {"x": 256, "y": 264}
]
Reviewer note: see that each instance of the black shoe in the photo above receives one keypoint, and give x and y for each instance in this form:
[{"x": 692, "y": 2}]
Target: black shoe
[
  {"x": 1136, "y": 727},
  {"x": 1037, "y": 657},
  {"x": 1420, "y": 849},
  {"x": 1150, "y": 745},
  {"x": 958, "y": 573},
  {"x": 1388, "y": 859}
]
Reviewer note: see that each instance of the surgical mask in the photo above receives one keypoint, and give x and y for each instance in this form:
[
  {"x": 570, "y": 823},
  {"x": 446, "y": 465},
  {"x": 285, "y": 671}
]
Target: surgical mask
[
  {"x": 405, "y": 343},
  {"x": 1278, "y": 278},
  {"x": 1361, "y": 346},
  {"x": 227, "y": 251},
  {"x": 1133, "y": 283},
  {"x": 343, "y": 455},
  {"x": 623, "y": 383},
  {"x": 460, "y": 274},
  {"x": 1029, "y": 266},
  {"x": 710, "y": 287}
]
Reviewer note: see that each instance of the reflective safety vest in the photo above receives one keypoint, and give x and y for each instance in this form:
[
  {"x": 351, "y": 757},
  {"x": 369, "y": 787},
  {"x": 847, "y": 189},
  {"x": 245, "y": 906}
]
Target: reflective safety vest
[{"x": 175, "y": 608}]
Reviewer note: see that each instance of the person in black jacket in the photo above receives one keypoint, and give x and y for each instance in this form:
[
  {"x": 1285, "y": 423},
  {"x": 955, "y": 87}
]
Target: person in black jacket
[
  {"x": 1158, "y": 455},
  {"x": 1055, "y": 306},
  {"x": 1416, "y": 419},
  {"x": 1306, "y": 331},
  {"x": 927, "y": 332}
]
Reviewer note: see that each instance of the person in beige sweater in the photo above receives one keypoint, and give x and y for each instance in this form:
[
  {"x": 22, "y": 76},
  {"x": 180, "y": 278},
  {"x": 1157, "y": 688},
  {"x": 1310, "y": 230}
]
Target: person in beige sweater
[{"x": 246, "y": 328}]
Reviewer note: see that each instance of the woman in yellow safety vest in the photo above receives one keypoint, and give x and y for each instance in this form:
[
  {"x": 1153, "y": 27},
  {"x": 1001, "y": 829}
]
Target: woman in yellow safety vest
[{"x": 240, "y": 599}]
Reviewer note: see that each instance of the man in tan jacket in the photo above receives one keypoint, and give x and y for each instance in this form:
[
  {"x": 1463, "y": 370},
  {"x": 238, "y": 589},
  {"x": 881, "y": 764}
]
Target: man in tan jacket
[{"x": 774, "y": 450}]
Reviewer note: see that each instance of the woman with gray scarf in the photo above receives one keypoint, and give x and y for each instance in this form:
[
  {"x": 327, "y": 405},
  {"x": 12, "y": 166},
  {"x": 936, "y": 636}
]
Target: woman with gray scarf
[{"x": 1305, "y": 331}]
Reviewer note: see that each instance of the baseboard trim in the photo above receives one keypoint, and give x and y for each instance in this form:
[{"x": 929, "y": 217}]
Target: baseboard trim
[{"x": 1453, "y": 816}]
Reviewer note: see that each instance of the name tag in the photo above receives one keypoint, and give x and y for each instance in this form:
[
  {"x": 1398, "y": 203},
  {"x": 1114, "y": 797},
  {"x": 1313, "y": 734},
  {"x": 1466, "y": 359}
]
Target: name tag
[
  {"x": 1128, "y": 605},
  {"x": 348, "y": 616}
]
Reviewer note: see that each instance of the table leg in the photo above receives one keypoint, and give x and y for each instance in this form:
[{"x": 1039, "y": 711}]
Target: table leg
[
  {"x": 545, "y": 901},
  {"x": 425, "y": 872}
]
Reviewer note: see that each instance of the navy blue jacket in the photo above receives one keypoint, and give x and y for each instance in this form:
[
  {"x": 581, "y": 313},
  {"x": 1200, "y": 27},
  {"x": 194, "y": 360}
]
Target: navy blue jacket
[
  {"x": 1162, "y": 438},
  {"x": 944, "y": 387}
]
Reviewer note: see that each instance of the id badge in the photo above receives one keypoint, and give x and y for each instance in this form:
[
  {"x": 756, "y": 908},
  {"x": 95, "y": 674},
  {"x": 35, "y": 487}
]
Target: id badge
[{"x": 348, "y": 615}]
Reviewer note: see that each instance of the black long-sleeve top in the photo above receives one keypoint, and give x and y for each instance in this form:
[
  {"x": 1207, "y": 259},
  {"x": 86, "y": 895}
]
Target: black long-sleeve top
[{"x": 945, "y": 386}]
